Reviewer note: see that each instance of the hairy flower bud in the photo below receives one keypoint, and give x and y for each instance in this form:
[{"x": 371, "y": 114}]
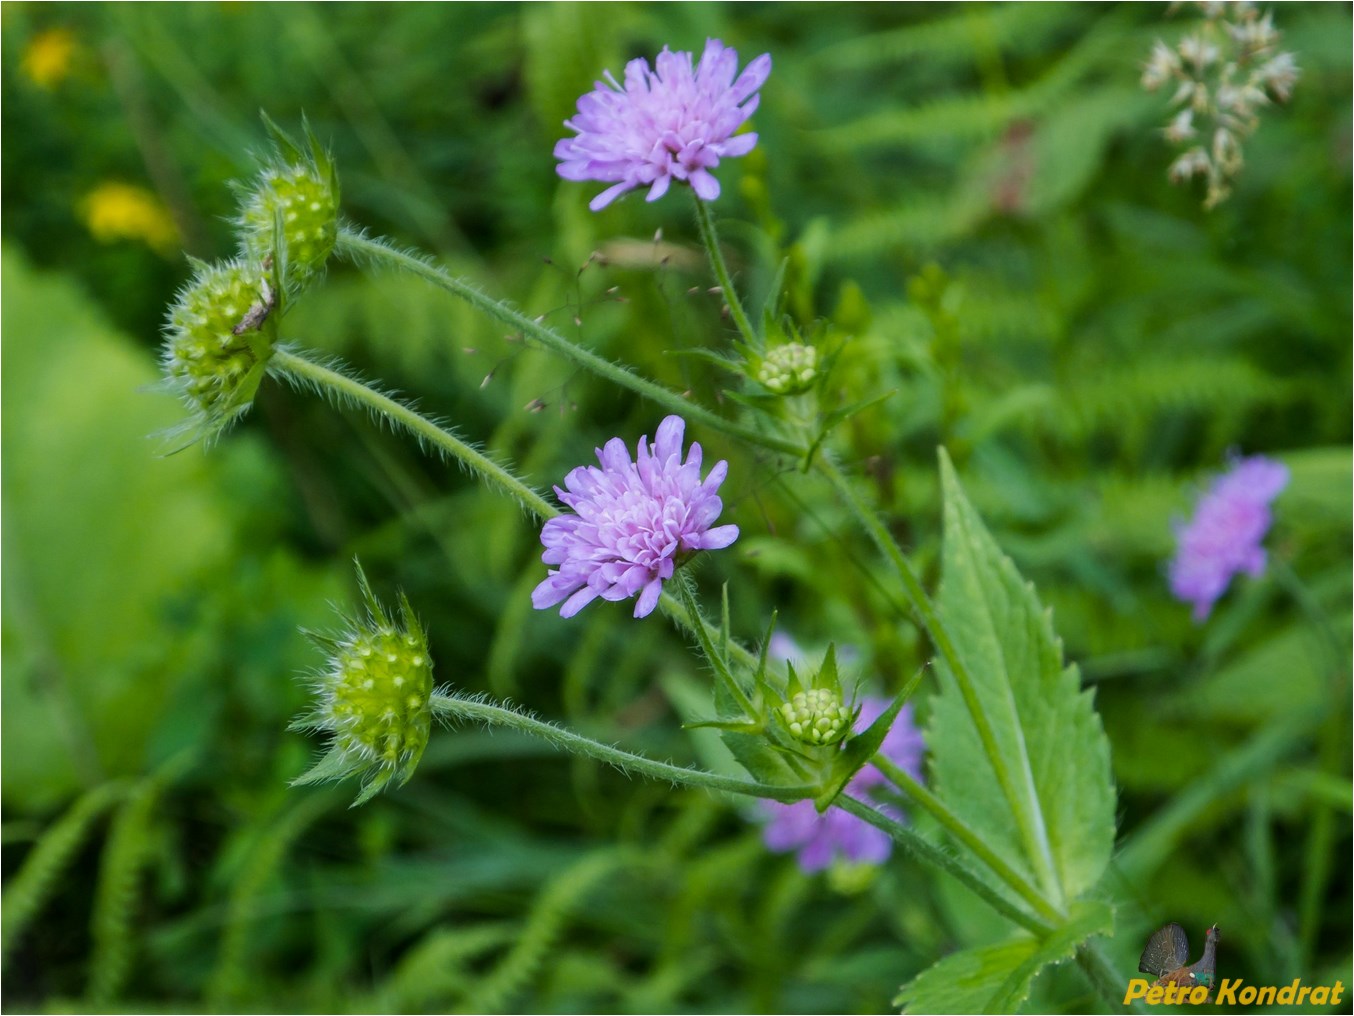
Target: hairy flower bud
[
  {"x": 291, "y": 212},
  {"x": 218, "y": 342},
  {"x": 372, "y": 698},
  {"x": 789, "y": 369},
  {"x": 817, "y": 716}
]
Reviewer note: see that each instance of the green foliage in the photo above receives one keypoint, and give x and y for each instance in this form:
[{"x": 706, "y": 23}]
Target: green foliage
[
  {"x": 1020, "y": 754},
  {"x": 997, "y": 978},
  {"x": 972, "y": 203},
  {"x": 54, "y": 851}
]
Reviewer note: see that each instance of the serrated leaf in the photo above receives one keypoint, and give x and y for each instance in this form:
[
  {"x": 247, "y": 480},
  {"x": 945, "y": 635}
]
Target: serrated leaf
[
  {"x": 997, "y": 978},
  {"x": 1045, "y": 803}
]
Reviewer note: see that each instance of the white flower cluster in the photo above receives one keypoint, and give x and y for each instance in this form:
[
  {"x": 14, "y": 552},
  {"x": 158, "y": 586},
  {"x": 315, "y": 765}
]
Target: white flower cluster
[{"x": 1224, "y": 71}]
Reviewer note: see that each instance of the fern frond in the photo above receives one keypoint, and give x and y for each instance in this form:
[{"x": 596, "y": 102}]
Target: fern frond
[
  {"x": 275, "y": 838},
  {"x": 30, "y": 888},
  {"x": 129, "y": 845},
  {"x": 434, "y": 972},
  {"x": 553, "y": 907},
  {"x": 1134, "y": 392},
  {"x": 971, "y": 116},
  {"x": 1021, "y": 27}
]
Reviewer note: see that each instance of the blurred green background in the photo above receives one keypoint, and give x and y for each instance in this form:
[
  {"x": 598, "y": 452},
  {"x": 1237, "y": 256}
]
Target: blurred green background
[{"x": 975, "y": 195}]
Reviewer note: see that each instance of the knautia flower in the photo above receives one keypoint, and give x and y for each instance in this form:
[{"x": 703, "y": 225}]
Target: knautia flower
[
  {"x": 821, "y": 840},
  {"x": 371, "y": 697},
  {"x": 1224, "y": 537},
  {"x": 218, "y": 341},
  {"x": 674, "y": 122},
  {"x": 632, "y": 523},
  {"x": 291, "y": 210}
]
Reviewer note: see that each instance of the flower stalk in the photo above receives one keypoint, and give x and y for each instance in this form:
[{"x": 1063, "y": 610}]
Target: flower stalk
[
  {"x": 460, "y": 707},
  {"x": 360, "y": 248},
  {"x": 705, "y": 219}
]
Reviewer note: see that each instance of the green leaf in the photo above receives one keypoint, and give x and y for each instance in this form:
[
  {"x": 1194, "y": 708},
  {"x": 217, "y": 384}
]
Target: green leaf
[
  {"x": 997, "y": 978},
  {"x": 1036, "y": 787}
]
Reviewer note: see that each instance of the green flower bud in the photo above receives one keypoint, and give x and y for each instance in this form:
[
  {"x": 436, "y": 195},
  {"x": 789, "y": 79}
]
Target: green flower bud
[
  {"x": 372, "y": 698},
  {"x": 816, "y": 716},
  {"x": 789, "y": 369},
  {"x": 291, "y": 212},
  {"x": 218, "y": 341}
]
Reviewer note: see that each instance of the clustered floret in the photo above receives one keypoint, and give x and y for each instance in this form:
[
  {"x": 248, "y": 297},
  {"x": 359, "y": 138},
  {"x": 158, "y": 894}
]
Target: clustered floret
[
  {"x": 674, "y": 122},
  {"x": 1224, "y": 538},
  {"x": 1224, "y": 73},
  {"x": 215, "y": 352},
  {"x": 816, "y": 716},
  {"x": 836, "y": 835},
  {"x": 372, "y": 697},
  {"x": 789, "y": 369},
  {"x": 632, "y": 523}
]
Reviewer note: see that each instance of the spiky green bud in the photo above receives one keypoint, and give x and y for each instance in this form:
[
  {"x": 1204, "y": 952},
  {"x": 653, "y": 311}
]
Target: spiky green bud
[
  {"x": 789, "y": 369},
  {"x": 218, "y": 340},
  {"x": 372, "y": 698},
  {"x": 291, "y": 210},
  {"x": 816, "y": 716}
]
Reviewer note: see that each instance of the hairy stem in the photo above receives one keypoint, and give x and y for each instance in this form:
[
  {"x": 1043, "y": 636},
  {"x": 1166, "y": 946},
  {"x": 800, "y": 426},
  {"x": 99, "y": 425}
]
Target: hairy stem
[
  {"x": 361, "y": 248},
  {"x": 459, "y": 707},
  {"x": 710, "y": 238},
  {"x": 928, "y": 853},
  {"x": 712, "y": 654},
  {"x": 928, "y": 802},
  {"x": 299, "y": 367}
]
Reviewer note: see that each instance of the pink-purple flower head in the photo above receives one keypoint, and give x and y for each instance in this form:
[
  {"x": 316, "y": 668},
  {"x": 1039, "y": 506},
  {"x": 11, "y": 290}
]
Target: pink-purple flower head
[
  {"x": 671, "y": 123},
  {"x": 1224, "y": 537},
  {"x": 632, "y": 523},
  {"x": 836, "y": 835}
]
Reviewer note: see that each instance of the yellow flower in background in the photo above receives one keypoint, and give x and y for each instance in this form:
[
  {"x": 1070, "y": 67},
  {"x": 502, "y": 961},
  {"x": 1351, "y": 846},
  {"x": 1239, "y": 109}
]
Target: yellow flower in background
[
  {"x": 121, "y": 211},
  {"x": 47, "y": 60}
]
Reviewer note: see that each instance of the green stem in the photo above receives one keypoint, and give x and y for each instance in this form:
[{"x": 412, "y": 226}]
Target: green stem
[
  {"x": 459, "y": 707},
  {"x": 362, "y": 248},
  {"x": 1017, "y": 788},
  {"x": 338, "y": 385},
  {"x": 928, "y": 802},
  {"x": 928, "y": 852},
  {"x": 710, "y": 238},
  {"x": 717, "y": 661},
  {"x": 1104, "y": 977},
  {"x": 298, "y": 367}
]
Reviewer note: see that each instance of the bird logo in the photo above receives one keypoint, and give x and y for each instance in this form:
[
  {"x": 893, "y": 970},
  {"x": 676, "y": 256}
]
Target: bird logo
[{"x": 1167, "y": 959}]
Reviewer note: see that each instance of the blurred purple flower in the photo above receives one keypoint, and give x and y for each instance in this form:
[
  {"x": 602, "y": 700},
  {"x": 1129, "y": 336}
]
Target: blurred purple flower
[
  {"x": 1223, "y": 539},
  {"x": 822, "y": 839},
  {"x": 675, "y": 122},
  {"x": 632, "y": 523}
]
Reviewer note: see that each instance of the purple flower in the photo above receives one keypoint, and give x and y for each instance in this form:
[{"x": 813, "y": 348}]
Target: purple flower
[
  {"x": 673, "y": 122},
  {"x": 836, "y": 834},
  {"x": 632, "y": 523},
  {"x": 1224, "y": 536}
]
